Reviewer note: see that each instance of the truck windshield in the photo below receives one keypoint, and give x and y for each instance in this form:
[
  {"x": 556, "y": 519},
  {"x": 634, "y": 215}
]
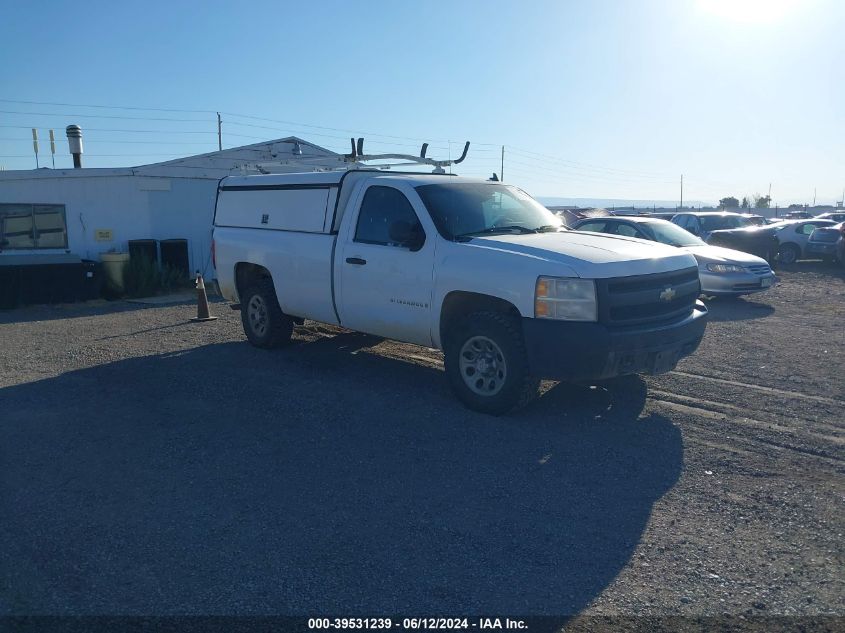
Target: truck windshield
[{"x": 463, "y": 210}]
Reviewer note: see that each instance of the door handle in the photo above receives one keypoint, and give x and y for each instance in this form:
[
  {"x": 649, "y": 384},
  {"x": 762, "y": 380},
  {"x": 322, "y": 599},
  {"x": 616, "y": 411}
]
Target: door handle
[{"x": 356, "y": 260}]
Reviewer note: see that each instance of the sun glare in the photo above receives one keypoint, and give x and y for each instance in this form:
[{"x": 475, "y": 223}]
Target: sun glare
[{"x": 749, "y": 11}]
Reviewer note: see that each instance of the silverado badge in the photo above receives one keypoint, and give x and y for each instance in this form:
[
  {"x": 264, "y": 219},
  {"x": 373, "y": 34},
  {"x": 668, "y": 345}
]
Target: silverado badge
[{"x": 668, "y": 294}]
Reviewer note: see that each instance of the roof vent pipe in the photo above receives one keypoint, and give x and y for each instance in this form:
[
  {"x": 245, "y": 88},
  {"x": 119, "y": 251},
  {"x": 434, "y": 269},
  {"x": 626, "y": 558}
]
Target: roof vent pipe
[{"x": 74, "y": 141}]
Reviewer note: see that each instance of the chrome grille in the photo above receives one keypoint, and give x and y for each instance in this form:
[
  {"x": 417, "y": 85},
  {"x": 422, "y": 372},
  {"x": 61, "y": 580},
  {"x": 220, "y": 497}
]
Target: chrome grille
[{"x": 760, "y": 270}]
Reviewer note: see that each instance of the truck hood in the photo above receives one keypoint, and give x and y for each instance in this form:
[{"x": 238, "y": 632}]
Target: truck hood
[{"x": 591, "y": 255}]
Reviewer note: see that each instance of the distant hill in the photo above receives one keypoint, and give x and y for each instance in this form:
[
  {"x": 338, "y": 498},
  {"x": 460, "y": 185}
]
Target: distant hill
[{"x": 617, "y": 202}]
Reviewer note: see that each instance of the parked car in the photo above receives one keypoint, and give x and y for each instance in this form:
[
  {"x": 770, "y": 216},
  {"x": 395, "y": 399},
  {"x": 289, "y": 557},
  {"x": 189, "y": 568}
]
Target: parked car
[
  {"x": 836, "y": 216},
  {"x": 722, "y": 271},
  {"x": 793, "y": 235},
  {"x": 702, "y": 223},
  {"x": 476, "y": 268},
  {"x": 756, "y": 220},
  {"x": 827, "y": 242},
  {"x": 757, "y": 240}
]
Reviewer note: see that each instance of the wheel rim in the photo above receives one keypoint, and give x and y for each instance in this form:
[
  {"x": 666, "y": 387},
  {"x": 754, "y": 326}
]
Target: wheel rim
[
  {"x": 257, "y": 314},
  {"x": 788, "y": 255},
  {"x": 483, "y": 367}
]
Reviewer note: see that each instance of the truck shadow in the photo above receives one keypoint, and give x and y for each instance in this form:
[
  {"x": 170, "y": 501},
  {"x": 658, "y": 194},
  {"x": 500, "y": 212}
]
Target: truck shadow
[
  {"x": 228, "y": 480},
  {"x": 738, "y": 309}
]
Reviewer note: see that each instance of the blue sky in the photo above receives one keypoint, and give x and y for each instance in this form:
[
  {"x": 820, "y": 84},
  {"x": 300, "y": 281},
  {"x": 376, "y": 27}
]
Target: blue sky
[{"x": 612, "y": 99}]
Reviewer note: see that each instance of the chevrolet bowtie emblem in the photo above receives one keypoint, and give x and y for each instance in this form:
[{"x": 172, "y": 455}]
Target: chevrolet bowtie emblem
[{"x": 668, "y": 294}]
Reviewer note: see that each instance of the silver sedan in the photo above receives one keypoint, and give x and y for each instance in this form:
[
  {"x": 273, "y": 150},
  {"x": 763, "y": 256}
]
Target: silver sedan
[{"x": 723, "y": 271}]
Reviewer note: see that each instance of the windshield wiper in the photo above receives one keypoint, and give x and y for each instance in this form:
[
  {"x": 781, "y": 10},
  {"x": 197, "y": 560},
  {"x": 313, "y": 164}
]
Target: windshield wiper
[
  {"x": 499, "y": 229},
  {"x": 549, "y": 228}
]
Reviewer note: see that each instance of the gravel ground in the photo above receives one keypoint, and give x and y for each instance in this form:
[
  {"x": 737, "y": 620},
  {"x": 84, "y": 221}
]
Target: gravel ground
[{"x": 155, "y": 466}]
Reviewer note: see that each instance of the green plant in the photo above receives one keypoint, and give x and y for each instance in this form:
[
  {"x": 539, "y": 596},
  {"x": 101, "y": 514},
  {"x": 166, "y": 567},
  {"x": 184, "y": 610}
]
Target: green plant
[{"x": 143, "y": 278}]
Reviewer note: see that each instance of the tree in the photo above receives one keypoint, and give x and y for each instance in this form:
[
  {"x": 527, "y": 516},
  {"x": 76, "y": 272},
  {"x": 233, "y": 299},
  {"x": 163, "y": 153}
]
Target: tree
[
  {"x": 744, "y": 204},
  {"x": 729, "y": 203},
  {"x": 762, "y": 202}
]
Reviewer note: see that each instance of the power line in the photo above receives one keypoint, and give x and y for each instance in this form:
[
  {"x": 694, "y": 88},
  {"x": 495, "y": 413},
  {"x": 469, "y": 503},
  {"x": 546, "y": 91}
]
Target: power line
[
  {"x": 99, "y": 155},
  {"x": 323, "y": 127},
  {"x": 196, "y": 111},
  {"x": 568, "y": 166},
  {"x": 96, "y": 140},
  {"x": 84, "y": 105},
  {"x": 532, "y": 156},
  {"x": 102, "y": 116},
  {"x": 101, "y": 129}
]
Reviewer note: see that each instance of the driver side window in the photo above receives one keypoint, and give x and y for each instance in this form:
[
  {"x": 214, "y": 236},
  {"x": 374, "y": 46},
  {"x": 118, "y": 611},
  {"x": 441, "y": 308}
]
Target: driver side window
[{"x": 382, "y": 211}]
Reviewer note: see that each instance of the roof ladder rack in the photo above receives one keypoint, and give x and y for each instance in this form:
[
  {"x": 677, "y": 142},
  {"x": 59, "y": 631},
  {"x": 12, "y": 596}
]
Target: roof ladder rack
[{"x": 357, "y": 156}]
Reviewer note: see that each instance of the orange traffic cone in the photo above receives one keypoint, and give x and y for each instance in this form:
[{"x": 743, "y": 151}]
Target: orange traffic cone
[{"x": 202, "y": 302}]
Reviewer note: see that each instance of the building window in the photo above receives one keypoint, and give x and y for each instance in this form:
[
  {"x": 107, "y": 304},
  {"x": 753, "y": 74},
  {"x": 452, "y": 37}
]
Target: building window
[{"x": 32, "y": 226}]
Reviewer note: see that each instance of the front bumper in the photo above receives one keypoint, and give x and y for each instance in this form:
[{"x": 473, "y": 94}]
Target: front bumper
[
  {"x": 568, "y": 350},
  {"x": 734, "y": 283}
]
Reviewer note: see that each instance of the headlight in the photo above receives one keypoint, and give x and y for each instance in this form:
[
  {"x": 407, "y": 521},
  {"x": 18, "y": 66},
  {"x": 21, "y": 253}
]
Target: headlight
[
  {"x": 565, "y": 299},
  {"x": 725, "y": 268}
]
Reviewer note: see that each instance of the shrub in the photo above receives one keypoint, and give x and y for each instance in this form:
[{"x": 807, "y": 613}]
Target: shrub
[{"x": 143, "y": 278}]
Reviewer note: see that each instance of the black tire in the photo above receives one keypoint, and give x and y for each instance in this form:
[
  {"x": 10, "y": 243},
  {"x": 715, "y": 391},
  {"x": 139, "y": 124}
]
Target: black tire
[
  {"x": 514, "y": 386},
  {"x": 264, "y": 323},
  {"x": 789, "y": 253}
]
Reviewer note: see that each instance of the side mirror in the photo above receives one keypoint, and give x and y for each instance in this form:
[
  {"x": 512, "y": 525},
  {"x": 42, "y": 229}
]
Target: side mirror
[{"x": 406, "y": 234}]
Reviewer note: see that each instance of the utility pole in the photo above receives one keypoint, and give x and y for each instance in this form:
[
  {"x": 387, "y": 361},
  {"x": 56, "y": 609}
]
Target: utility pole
[
  {"x": 682, "y": 191},
  {"x": 219, "y": 132},
  {"x": 502, "y": 172},
  {"x": 814, "y": 196}
]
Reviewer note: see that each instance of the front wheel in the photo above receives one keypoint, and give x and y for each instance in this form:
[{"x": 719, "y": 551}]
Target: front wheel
[
  {"x": 486, "y": 363},
  {"x": 265, "y": 325},
  {"x": 789, "y": 253}
]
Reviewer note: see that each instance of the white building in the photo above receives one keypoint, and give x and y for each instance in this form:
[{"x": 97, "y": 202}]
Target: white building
[{"x": 57, "y": 215}]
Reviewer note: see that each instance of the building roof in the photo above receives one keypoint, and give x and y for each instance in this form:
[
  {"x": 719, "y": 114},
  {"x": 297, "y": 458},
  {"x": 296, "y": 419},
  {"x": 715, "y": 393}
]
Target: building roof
[{"x": 212, "y": 166}]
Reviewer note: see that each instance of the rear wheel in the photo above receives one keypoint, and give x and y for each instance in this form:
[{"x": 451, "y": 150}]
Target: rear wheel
[
  {"x": 486, "y": 363},
  {"x": 789, "y": 253},
  {"x": 265, "y": 325}
]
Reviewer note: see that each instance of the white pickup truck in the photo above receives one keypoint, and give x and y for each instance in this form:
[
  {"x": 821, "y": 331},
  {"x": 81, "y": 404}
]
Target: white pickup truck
[{"x": 475, "y": 268}]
